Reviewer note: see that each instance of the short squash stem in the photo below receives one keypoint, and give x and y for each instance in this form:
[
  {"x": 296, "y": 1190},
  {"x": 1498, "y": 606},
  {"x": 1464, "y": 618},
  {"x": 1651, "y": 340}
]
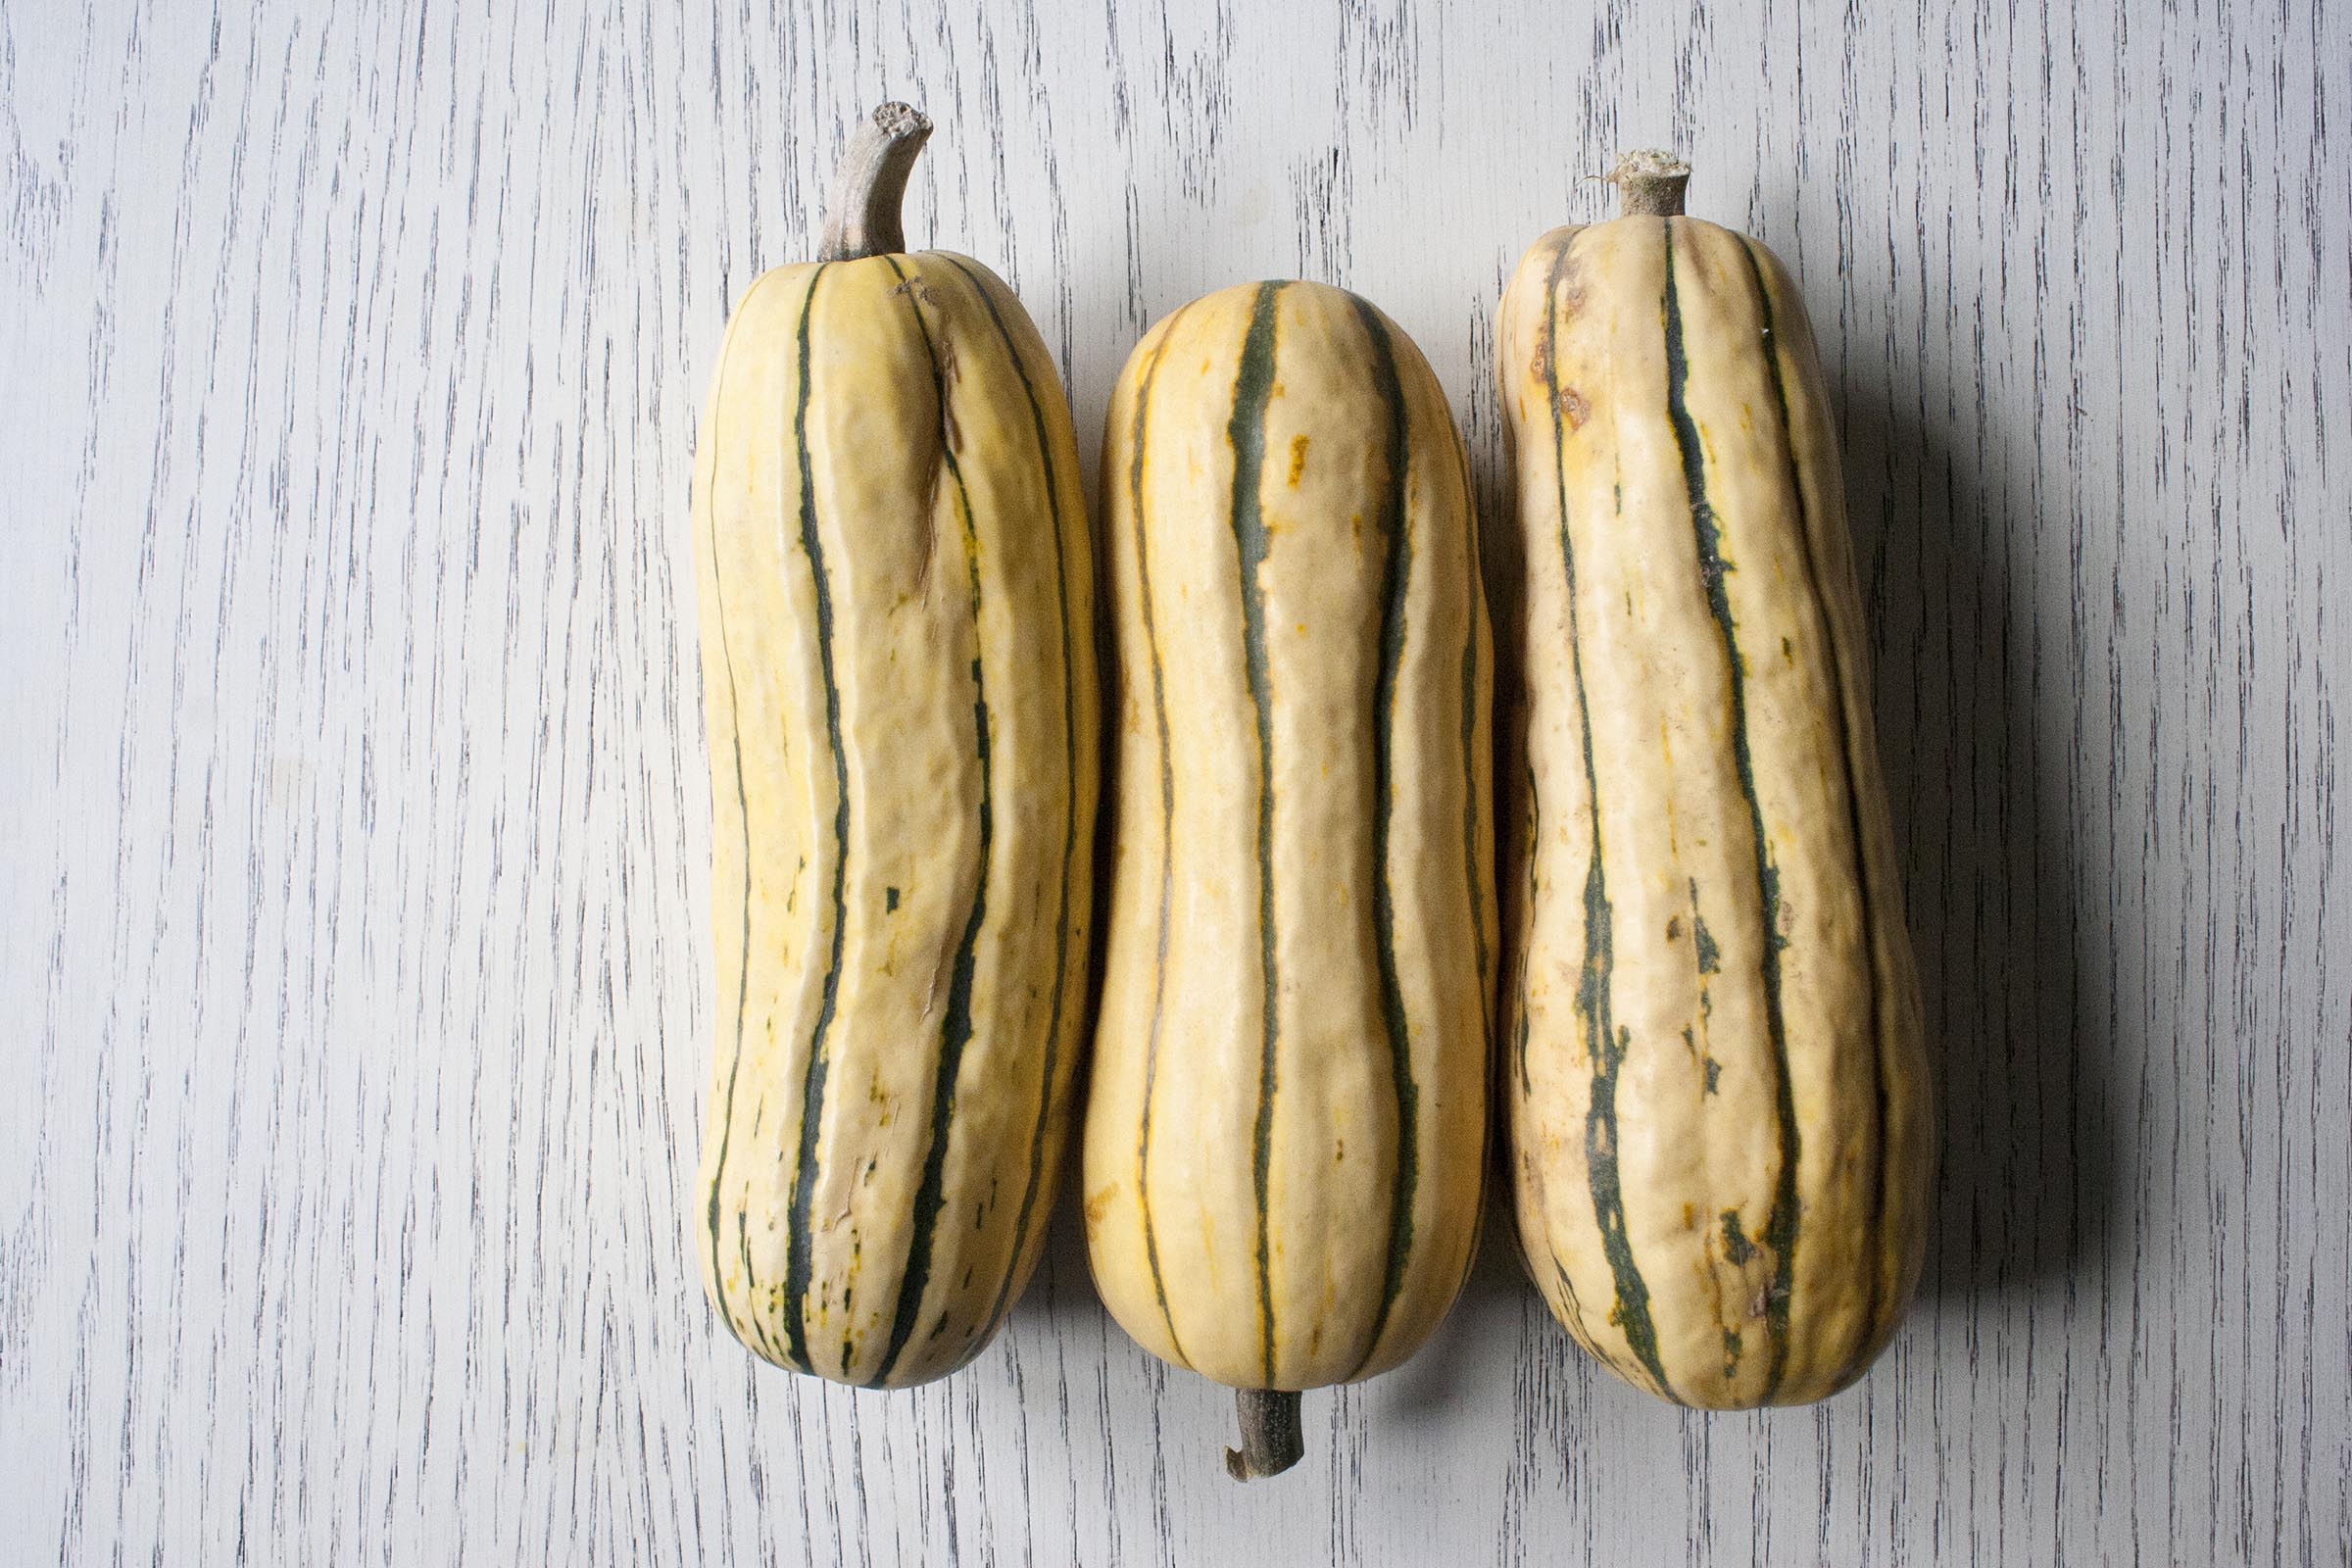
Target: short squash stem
[
  {"x": 861, "y": 214},
  {"x": 1270, "y": 1439},
  {"x": 1650, "y": 183}
]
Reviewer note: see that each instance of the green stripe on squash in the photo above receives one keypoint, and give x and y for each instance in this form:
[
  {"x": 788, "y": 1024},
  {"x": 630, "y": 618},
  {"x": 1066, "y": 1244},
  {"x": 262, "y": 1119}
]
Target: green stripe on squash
[
  {"x": 956, "y": 1024},
  {"x": 1069, "y": 839},
  {"x": 1254, "y": 389},
  {"x": 1781, "y": 1226},
  {"x": 812, "y": 1092},
  {"x": 1395, "y": 574},
  {"x": 1843, "y": 726},
  {"x": 1603, "y": 1040}
]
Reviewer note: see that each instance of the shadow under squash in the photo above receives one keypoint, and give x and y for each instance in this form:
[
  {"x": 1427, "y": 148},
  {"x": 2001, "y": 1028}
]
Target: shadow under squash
[{"x": 1974, "y": 720}]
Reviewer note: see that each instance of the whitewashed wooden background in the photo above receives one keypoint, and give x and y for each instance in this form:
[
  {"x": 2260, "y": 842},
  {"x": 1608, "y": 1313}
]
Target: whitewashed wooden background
[{"x": 353, "y": 812}]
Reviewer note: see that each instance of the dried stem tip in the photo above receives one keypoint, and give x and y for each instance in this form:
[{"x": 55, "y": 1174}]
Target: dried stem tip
[
  {"x": 861, "y": 214},
  {"x": 1650, "y": 183},
  {"x": 1270, "y": 1439}
]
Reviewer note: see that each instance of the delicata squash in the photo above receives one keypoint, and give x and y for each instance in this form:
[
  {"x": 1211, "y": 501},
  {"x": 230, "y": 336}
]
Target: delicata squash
[
  {"x": 1717, "y": 1096},
  {"x": 899, "y": 675},
  {"x": 1285, "y": 1134}
]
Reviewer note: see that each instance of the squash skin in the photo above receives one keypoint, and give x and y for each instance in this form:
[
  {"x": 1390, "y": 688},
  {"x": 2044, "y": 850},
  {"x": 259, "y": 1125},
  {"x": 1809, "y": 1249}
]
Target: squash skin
[
  {"x": 901, "y": 696},
  {"x": 1251, "y": 1210},
  {"x": 1716, "y": 1090}
]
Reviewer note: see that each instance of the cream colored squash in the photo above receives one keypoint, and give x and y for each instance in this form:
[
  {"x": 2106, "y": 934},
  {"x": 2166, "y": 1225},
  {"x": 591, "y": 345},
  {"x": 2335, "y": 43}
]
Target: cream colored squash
[
  {"x": 1717, "y": 1095},
  {"x": 1285, "y": 1135},
  {"x": 897, "y": 626}
]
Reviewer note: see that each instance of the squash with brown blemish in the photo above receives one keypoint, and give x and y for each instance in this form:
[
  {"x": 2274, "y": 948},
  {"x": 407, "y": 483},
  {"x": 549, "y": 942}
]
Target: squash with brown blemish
[{"x": 1717, "y": 1096}]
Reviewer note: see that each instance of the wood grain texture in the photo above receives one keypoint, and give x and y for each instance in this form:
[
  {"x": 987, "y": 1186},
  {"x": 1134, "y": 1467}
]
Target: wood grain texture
[{"x": 354, "y": 852}]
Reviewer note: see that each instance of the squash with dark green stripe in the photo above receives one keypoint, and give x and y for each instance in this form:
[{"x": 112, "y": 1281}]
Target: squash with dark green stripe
[
  {"x": 1285, "y": 1134},
  {"x": 1717, "y": 1095},
  {"x": 899, "y": 685}
]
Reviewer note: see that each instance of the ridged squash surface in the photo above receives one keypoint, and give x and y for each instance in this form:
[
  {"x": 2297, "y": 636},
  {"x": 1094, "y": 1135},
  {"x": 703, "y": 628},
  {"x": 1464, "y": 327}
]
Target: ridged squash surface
[
  {"x": 898, "y": 659},
  {"x": 1285, "y": 1133},
  {"x": 1716, "y": 1095}
]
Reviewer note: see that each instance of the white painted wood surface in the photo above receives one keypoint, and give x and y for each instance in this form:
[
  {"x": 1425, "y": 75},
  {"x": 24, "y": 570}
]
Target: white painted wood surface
[{"x": 353, "y": 812}]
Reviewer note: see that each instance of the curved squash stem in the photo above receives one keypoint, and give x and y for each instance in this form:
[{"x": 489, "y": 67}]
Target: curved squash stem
[
  {"x": 861, "y": 214},
  {"x": 1650, "y": 183},
  {"x": 1270, "y": 1439}
]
